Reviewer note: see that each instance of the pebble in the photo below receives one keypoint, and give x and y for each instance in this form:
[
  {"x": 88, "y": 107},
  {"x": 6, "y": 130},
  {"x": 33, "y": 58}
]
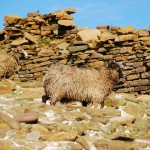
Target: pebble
[{"x": 27, "y": 117}]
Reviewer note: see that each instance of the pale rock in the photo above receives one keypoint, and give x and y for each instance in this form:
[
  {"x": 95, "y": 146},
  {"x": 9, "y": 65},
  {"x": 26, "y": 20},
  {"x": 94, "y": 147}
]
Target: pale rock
[
  {"x": 41, "y": 128},
  {"x": 144, "y": 38},
  {"x": 10, "y": 121},
  {"x": 96, "y": 64},
  {"x": 126, "y": 30},
  {"x": 39, "y": 19},
  {"x": 33, "y": 14},
  {"x": 66, "y": 23},
  {"x": 142, "y": 32},
  {"x": 114, "y": 101},
  {"x": 4, "y": 128},
  {"x": 70, "y": 10},
  {"x": 123, "y": 120},
  {"x": 30, "y": 37},
  {"x": 114, "y": 145},
  {"x": 83, "y": 142},
  {"x": 134, "y": 109},
  {"x": 128, "y": 37},
  {"x": 60, "y": 136},
  {"x": 63, "y": 46},
  {"x": 19, "y": 41},
  {"x": 143, "y": 98},
  {"x": 33, "y": 135},
  {"x": 12, "y": 18},
  {"x": 89, "y": 34},
  {"x": 1, "y": 32},
  {"x": 62, "y": 15},
  {"x": 105, "y": 36},
  {"x": 27, "y": 117}
]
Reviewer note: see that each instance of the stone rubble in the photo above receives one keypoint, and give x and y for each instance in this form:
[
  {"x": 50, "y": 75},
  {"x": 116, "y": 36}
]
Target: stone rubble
[{"x": 29, "y": 124}]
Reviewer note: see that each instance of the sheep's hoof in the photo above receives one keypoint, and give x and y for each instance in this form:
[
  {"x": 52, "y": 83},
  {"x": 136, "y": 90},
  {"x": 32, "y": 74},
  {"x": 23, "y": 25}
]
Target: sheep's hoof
[{"x": 52, "y": 102}]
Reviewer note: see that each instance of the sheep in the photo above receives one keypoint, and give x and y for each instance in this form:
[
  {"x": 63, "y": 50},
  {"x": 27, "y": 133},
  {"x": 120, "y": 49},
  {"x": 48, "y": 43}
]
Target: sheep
[
  {"x": 65, "y": 82},
  {"x": 9, "y": 62}
]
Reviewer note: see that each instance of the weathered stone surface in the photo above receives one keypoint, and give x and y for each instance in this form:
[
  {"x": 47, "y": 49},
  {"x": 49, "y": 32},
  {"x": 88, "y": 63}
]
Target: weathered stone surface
[
  {"x": 27, "y": 117},
  {"x": 89, "y": 34},
  {"x": 61, "y": 136},
  {"x": 143, "y": 32},
  {"x": 66, "y": 23},
  {"x": 12, "y": 18},
  {"x": 126, "y": 50},
  {"x": 33, "y": 135},
  {"x": 77, "y": 48},
  {"x": 63, "y": 14},
  {"x": 134, "y": 109},
  {"x": 41, "y": 128},
  {"x": 126, "y": 30},
  {"x": 145, "y": 75},
  {"x": 123, "y": 120},
  {"x": 10, "y": 121},
  {"x": 128, "y": 37},
  {"x": 105, "y": 36},
  {"x": 113, "y": 145},
  {"x": 30, "y": 37},
  {"x": 19, "y": 42},
  {"x": 70, "y": 10},
  {"x": 140, "y": 69},
  {"x": 134, "y": 76},
  {"x": 83, "y": 142},
  {"x": 115, "y": 100},
  {"x": 39, "y": 20},
  {"x": 34, "y": 14},
  {"x": 143, "y": 98},
  {"x": 144, "y": 38}
]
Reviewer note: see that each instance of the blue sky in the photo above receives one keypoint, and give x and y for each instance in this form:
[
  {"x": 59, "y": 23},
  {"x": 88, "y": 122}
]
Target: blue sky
[{"x": 90, "y": 13}]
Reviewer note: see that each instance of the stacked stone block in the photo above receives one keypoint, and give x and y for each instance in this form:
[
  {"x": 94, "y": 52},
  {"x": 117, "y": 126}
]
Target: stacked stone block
[{"x": 55, "y": 38}]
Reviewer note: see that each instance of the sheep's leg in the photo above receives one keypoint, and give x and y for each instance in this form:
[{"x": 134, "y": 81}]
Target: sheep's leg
[
  {"x": 102, "y": 104},
  {"x": 54, "y": 99},
  {"x": 44, "y": 98}
]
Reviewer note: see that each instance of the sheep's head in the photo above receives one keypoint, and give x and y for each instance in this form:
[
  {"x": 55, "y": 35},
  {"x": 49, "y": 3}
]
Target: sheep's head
[{"x": 114, "y": 66}]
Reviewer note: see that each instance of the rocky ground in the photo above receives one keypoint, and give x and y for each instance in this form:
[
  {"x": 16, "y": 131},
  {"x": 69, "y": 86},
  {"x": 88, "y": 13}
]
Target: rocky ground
[{"x": 28, "y": 124}]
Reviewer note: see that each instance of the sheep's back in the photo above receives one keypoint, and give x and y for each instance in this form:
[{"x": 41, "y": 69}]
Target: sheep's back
[{"x": 76, "y": 83}]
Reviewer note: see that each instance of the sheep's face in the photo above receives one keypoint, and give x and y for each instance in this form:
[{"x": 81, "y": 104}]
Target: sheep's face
[{"x": 114, "y": 66}]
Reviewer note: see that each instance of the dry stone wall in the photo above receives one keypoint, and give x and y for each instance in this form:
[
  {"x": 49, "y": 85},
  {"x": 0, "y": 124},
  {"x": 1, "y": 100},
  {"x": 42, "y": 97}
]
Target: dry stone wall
[{"x": 55, "y": 38}]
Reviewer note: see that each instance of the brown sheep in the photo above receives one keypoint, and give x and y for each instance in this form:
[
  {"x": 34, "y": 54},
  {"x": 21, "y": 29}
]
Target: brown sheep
[
  {"x": 9, "y": 62},
  {"x": 81, "y": 84}
]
